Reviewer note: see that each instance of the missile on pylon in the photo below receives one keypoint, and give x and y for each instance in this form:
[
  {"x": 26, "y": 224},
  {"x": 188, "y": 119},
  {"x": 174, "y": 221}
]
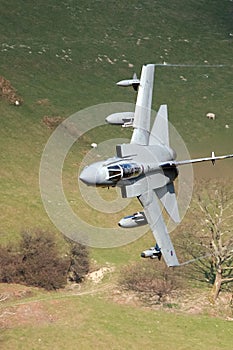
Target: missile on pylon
[
  {"x": 153, "y": 253},
  {"x": 121, "y": 118},
  {"x": 130, "y": 82},
  {"x": 135, "y": 220}
]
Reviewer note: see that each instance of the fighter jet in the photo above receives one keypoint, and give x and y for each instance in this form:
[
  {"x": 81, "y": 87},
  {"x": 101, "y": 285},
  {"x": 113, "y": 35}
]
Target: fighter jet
[{"x": 146, "y": 168}]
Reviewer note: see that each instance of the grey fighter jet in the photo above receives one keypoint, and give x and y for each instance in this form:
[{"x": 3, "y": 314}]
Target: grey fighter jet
[{"x": 146, "y": 168}]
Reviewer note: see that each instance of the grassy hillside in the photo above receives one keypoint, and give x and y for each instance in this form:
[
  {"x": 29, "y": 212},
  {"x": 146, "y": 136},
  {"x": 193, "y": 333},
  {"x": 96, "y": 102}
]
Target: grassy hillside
[
  {"x": 65, "y": 56},
  {"x": 105, "y": 322},
  {"x": 69, "y": 56}
]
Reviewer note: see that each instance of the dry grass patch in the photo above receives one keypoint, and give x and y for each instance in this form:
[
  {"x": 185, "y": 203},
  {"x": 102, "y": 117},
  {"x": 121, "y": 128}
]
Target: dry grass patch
[
  {"x": 52, "y": 122},
  {"x": 8, "y": 92}
]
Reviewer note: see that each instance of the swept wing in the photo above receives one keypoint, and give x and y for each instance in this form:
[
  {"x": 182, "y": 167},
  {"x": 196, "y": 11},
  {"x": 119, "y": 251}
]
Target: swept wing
[
  {"x": 213, "y": 158},
  {"x": 142, "y": 113},
  {"x": 155, "y": 220}
]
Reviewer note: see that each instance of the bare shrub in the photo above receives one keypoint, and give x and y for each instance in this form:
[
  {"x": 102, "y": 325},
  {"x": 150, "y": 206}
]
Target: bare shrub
[
  {"x": 41, "y": 264},
  {"x": 149, "y": 281},
  {"x": 10, "y": 262},
  {"x": 38, "y": 262},
  {"x": 208, "y": 241},
  {"x": 52, "y": 122},
  {"x": 79, "y": 262}
]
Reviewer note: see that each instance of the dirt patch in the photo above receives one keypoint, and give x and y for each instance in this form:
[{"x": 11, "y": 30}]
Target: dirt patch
[
  {"x": 14, "y": 292},
  {"x": 186, "y": 302},
  {"x": 52, "y": 122},
  {"x": 43, "y": 102},
  {"x": 15, "y": 309},
  {"x": 69, "y": 127},
  {"x": 8, "y": 92},
  {"x": 98, "y": 275},
  {"x": 30, "y": 313},
  {"x": 126, "y": 297},
  {"x": 198, "y": 302}
]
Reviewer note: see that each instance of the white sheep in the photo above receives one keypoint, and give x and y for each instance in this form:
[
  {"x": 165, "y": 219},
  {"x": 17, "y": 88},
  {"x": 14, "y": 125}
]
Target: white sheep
[{"x": 211, "y": 116}]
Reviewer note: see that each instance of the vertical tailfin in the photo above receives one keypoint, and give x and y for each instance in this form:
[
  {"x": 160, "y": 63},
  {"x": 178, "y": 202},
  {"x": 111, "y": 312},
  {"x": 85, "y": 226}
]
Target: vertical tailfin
[{"x": 159, "y": 132}]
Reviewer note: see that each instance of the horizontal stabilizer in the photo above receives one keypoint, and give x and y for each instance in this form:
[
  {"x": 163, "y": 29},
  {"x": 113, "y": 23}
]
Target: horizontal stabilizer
[
  {"x": 159, "y": 132},
  {"x": 167, "y": 196}
]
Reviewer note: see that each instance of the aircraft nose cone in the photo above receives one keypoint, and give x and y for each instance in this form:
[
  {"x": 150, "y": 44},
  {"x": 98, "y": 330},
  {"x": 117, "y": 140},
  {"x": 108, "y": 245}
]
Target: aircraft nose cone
[
  {"x": 119, "y": 83},
  {"x": 94, "y": 174},
  {"x": 89, "y": 176},
  {"x": 109, "y": 119},
  {"x": 120, "y": 223}
]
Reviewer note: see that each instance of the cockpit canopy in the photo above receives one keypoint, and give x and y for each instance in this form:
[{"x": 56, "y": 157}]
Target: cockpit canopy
[{"x": 123, "y": 171}]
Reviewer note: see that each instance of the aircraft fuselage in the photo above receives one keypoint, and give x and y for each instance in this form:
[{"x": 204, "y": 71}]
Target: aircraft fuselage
[{"x": 119, "y": 171}]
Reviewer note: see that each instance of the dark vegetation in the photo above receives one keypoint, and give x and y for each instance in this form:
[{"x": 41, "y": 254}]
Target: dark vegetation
[
  {"x": 150, "y": 281},
  {"x": 79, "y": 262},
  {"x": 37, "y": 261}
]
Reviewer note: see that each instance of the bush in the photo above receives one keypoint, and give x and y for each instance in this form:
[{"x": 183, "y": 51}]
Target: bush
[
  {"x": 41, "y": 264},
  {"x": 38, "y": 262},
  {"x": 79, "y": 262},
  {"x": 149, "y": 281},
  {"x": 10, "y": 263}
]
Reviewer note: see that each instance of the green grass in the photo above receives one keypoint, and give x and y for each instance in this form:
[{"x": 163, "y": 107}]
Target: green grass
[
  {"x": 86, "y": 322},
  {"x": 62, "y": 52}
]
